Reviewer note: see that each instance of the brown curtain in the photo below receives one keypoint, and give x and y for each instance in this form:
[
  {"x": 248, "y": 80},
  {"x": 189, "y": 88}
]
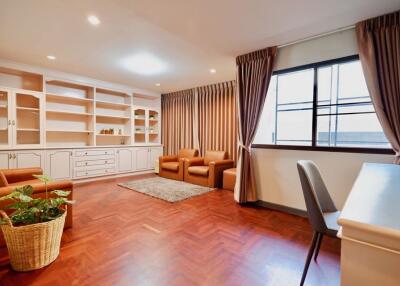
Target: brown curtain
[
  {"x": 178, "y": 121},
  {"x": 217, "y": 121},
  {"x": 379, "y": 47},
  {"x": 254, "y": 71}
]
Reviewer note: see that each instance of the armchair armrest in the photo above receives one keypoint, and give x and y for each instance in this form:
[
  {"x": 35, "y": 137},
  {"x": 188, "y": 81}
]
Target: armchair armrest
[
  {"x": 195, "y": 162},
  {"x": 23, "y": 174},
  {"x": 168, "y": 159},
  {"x": 216, "y": 171}
]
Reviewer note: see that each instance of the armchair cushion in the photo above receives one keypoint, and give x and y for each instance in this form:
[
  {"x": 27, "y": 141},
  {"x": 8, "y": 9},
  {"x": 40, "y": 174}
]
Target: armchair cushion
[
  {"x": 199, "y": 170},
  {"x": 171, "y": 166},
  {"x": 163, "y": 159},
  {"x": 214, "y": 156}
]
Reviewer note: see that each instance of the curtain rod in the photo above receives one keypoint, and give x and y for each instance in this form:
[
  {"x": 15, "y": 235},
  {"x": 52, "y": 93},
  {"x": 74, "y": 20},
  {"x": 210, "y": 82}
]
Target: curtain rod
[{"x": 317, "y": 36}]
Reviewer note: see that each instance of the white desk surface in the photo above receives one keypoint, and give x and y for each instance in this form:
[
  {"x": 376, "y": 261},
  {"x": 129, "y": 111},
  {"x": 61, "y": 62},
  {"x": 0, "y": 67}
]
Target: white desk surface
[{"x": 371, "y": 213}]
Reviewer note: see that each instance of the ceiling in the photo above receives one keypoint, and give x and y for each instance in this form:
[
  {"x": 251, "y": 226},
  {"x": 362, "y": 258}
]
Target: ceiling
[{"x": 188, "y": 37}]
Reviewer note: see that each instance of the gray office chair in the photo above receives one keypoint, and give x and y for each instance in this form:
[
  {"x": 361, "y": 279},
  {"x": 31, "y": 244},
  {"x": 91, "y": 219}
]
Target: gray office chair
[{"x": 322, "y": 212}]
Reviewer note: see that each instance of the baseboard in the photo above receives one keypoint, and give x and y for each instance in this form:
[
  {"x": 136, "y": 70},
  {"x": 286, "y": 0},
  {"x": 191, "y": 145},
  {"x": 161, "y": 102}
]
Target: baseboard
[
  {"x": 111, "y": 177},
  {"x": 282, "y": 208}
]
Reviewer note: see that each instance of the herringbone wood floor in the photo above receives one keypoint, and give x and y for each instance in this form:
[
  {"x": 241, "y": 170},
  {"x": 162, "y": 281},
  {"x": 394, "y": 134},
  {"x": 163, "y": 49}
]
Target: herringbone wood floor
[{"x": 121, "y": 237}]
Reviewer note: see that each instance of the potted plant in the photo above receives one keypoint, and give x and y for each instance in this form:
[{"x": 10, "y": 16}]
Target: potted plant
[{"x": 33, "y": 229}]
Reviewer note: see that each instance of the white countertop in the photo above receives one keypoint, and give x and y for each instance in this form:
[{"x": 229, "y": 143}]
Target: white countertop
[{"x": 371, "y": 213}]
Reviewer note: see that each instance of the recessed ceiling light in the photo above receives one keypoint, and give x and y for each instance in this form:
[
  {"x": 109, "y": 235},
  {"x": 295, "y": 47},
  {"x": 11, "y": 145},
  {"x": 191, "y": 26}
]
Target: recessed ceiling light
[
  {"x": 50, "y": 57},
  {"x": 158, "y": 84},
  {"x": 93, "y": 20},
  {"x": 144, "y": 64},
  {"x": 213, "y": 70}
]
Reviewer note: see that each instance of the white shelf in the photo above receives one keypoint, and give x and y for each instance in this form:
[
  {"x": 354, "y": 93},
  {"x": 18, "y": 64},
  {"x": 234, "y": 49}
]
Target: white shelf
[
  {"x": 141, "y": 118},
  {"x": 70, "y": 131},
  {"x": 68, "y": 112},
  {"x": 112, "y": 104},
  {"x": 69, "y": 98},
  {"x": 140, "y": 132},
  {"x": 112, "y": 116},
  {"x": 3, "y": 106},
  {"x": 112, "y": 135},
  {"x": 27, "y": 108},
  {"x": 3, "y": 129},
  {"x": 28, "y": 129}
]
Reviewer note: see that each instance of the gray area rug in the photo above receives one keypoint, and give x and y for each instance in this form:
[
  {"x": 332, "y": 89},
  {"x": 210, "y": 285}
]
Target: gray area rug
[{"x": 165, "y": 189}]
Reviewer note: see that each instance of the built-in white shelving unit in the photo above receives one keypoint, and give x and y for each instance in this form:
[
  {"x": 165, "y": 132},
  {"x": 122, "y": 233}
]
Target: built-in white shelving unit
[{"x": 73, "y": 129}]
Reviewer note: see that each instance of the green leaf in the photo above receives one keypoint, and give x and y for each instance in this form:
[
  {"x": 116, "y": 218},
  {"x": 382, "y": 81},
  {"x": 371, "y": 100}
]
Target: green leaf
[
  {"x": 26, "y": 190},
  {"x": 17, "y": 205},
  {"x": 12, "y": 195},
  {"x": 61, "y": 193},
  {"x": 43, "y": 178}
]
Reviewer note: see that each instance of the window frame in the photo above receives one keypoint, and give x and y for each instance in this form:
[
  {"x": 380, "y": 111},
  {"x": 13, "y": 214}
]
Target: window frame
[{"x": 314, "y": 146}]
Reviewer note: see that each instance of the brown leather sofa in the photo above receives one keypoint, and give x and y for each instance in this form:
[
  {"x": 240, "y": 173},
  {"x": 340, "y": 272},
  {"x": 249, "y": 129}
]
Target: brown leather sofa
[
  {"x": 12, "y": 178},
  {"x": 207, "y": 171},
  {"x": 172, "y": 167}
]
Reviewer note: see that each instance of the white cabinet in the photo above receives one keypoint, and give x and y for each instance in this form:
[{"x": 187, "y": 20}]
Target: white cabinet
[
  {"x": 126, "y": 160},
  {"x": 22, "y": 159},
  {"x": 59, "y": 164},
  {"x": 5, "y": 160},
  {"x": 146, "y": 125},
  {"x": 21, "y": 118},
  {"x": 154, "y": 154},
  {"x": 28, "y": 159},
  {"x": 142, "y": 158}
]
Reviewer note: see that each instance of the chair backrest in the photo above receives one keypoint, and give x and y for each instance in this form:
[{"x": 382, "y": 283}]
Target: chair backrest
[
  {"x": 315, "y": 193},
  {"x": 214, "y": 156},
  {"x": 188, "y": 153}
]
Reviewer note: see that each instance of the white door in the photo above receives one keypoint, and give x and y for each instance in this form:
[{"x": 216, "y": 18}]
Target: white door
[
  {"x": 28, "y": 159},
  {"x": 155, "y": 153},
  {"x": 125, "y": 161},
  {"x": 59, "y": 164},
  {"x": 142, "y": 158},
  {"x": 5, "y": 118},
  {"x": 5, "y": 160}
]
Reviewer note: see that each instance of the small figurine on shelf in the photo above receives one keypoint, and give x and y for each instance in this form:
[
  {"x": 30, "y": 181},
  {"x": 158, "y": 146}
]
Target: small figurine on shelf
[{"x": 120, "y": 131}]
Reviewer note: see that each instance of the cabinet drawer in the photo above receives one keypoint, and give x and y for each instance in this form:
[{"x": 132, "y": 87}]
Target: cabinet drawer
[
  {"x": 103, "y": 161},
  {"x": 82, "y": 153},
  {"x": 90, "y": 173}
]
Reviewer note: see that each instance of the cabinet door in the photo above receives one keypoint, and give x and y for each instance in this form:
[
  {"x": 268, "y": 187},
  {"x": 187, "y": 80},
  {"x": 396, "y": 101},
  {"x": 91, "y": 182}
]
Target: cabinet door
[
  {"x": 125, "y": 161},
  {"x": 5, "y": 118},
  {"x": 28, "y": 159},
  {"x": 27, "y": 118},
  {"x": 155, "y": 153},
  {"x": 5, "y": 160},
  {"x": 59, "y": 164},
  {"x": 153, "y": 126},
  {"x": 142, "y": 158}
]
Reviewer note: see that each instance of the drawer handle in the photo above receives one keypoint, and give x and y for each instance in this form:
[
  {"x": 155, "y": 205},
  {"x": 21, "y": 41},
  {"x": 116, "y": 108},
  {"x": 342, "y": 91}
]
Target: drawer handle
[
  {"x": 86, "y": 163},
  {"x": 85, "y": 153},
  {"x": 106, "y": 162}
]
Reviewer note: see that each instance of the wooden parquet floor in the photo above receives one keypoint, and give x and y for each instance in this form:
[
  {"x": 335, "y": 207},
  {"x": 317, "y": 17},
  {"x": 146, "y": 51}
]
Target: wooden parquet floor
[{"x": 121, "y": 237}]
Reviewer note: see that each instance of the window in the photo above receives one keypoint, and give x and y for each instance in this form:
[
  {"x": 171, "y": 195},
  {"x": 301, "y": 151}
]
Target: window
[{"x": 321, "y": 105}]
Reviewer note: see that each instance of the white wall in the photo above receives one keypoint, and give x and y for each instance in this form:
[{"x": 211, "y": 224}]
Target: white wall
[
  {"x": 278, "y": 180},
  {"x": 276, "y": 171}
]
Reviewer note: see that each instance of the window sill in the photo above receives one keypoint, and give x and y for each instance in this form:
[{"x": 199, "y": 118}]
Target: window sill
[{"x": 325, "y": 149}]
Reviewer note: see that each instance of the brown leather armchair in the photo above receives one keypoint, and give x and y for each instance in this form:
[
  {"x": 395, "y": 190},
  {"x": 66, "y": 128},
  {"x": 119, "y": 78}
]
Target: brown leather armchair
[
  {"x": 207, "y": 171},
  {"x": 12, "y": 178},
  {"x": 172, "y": 167}
]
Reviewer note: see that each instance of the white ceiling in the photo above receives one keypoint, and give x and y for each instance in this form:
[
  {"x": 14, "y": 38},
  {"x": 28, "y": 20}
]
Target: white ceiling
[{"x": 189, "y": 36}]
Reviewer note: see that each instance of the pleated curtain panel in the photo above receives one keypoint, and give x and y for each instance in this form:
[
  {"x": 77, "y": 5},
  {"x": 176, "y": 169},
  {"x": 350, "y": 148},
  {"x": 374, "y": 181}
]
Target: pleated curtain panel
[
  {"x": 379, "y": 48},
  {"x": 203, "y": 118},
  {"x": 254, "y": 71},
  {"x": 178, "y": 121}
]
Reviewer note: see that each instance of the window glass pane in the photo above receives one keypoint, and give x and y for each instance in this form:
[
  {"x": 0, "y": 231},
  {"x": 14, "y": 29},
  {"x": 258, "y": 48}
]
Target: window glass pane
[
  {"x": 351, "y": 82},
  {"x": 349, "y": 120},
  {"x": 296, "y": 87},
  {"x": 266, "y": 128},
  {"x": 294, "y": 127}
]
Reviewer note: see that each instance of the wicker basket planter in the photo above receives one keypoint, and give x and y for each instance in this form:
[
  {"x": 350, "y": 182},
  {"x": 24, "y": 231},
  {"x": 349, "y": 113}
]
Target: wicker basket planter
[{"x": 33, "y": 246}]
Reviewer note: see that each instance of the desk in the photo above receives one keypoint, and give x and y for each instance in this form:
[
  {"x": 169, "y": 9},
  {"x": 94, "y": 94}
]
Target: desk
[{"x": 370, "y": 228}]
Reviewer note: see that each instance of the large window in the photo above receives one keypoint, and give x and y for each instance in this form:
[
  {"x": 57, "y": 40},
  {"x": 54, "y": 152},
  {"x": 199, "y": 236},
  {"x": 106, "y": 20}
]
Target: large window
[{"x": 321, "y": 105}]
